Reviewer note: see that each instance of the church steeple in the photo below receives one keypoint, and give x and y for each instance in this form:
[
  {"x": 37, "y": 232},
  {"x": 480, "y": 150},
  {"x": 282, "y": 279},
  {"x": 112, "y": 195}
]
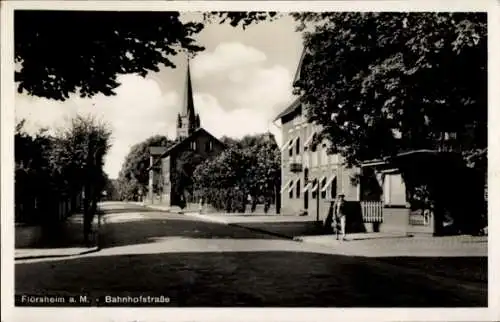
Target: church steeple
[{"x": 188, "y": 120}]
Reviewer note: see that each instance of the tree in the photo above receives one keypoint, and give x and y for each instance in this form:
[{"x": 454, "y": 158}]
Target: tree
[
  {"x": 66, "y": 52},
  {"x": 250, "y": 166},
  {"x": 51, "y": 167},
  {"x": 265, "y": 174},
  {"x": 78, "y": 159},
  {"x": 382, "y": 83},
  {"x": 229, "y": 142},
  {"x": 241, "y": 18},
  {"x": 133, "y": 175},
  {"x": 33, "y": 175},
  {"x": 111, "y": 188},
  {"x": 185, "y": 166}
]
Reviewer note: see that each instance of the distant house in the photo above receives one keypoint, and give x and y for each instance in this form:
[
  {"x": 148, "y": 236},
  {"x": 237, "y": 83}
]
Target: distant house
[{"x": 191, "y": 137}]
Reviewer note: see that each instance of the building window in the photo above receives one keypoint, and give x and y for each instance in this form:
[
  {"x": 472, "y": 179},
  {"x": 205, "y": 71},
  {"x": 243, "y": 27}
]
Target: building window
[
  {"x": 290, "y": 190},
  {"x": 193, "y": 145},
  {"x": 323, "y": 191},
  {"x": 297, "y": 146},
  {"x": 333, "y": 190},
  {"x": 208, "y": 146},
  {"x": 314, "y": 190},
  {"x": 290, "y": 150},
  {"x": 297, "y": 189}
]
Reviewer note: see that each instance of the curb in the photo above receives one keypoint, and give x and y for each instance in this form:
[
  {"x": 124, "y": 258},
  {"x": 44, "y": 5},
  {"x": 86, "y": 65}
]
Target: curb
[
  {"x": 198, "y": 215},
  {"x": 304, "y": 238},
  {"x": 266, "y": 232},
  {"x": 89, "y": 251}
]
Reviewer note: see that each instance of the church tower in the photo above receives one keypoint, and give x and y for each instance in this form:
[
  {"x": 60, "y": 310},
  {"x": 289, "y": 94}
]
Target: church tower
[{"x": 187, "y": 119}]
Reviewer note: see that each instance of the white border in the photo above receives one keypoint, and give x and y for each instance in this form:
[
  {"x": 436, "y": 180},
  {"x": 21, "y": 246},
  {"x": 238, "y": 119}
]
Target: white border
[{"x": 10, "y": 313}]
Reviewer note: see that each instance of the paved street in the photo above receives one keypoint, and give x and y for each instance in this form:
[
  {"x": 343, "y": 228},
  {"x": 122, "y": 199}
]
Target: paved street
[{"x": 198, "y": 263}]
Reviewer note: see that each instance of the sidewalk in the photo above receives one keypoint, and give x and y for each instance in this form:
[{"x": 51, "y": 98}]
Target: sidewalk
[
  {"x": 386, "y": 245},
  {"x": 306, "y": 229},
  {"x": 66, "y": 240}
]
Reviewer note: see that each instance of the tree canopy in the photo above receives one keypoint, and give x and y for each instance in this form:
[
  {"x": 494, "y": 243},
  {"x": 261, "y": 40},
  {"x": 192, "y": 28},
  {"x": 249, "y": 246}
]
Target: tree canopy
[
  {"x": 50, "y": 167},
  {"x": 133, "y": 175},
  {"x": 59, "y": 53},
  {"x": 382, "y": 83},
  {"x": 249, "y": 166}
]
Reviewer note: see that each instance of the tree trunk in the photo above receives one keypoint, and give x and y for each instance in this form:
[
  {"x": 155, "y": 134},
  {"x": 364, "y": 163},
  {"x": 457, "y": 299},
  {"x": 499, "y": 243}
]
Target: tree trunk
[
  {"x": 254, "y": 203},
  {"x": 89, "y": 207}
]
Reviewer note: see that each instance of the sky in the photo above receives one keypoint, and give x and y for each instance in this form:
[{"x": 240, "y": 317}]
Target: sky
[{"x": 241, "y": 81}]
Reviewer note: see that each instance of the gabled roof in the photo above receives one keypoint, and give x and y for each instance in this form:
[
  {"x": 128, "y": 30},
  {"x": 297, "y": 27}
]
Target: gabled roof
[
  {"x": 295, "y": 104},
  {"x": 289, "y": 110},
  {"x": 196, "y": 132},
  {"x": 186, "y": 140},
  {"x": 299, "y": 66}
]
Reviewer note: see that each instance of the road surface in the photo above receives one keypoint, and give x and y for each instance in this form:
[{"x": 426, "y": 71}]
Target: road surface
[{"x": 197, "y": 263}]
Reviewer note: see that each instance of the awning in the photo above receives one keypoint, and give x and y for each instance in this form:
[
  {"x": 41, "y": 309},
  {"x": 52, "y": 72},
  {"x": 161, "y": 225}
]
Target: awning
[
  {"x": 292, "y": 185},
  {"x": 315, "y": 187},
  {"x": 289, "y": 143},
  {"x": 390, "y": 171},
  {"x": 286, "y": 185},
  {"x": 309, "y": 140},
  {"x": 328, "y": 183},
  {"x": 286, "y": 145}
]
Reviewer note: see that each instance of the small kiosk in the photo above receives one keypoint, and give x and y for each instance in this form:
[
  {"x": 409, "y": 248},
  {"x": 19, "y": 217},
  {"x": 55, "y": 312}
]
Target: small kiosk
[{"x": 444, "y": 178}]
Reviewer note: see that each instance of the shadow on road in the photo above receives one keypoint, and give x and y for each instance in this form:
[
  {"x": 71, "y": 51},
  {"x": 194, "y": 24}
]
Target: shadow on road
[
  {"x": 288, "y": 229},
  {"x": 128, "y": 210},
  {"x": 150, "y": 230},
  {"x": 473, "y": 269},
  {"x": 258, "y": 278}
]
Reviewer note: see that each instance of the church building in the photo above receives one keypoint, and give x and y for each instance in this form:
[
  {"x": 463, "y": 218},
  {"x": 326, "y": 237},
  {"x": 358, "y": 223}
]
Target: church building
[{"x": 192, "y": 141}]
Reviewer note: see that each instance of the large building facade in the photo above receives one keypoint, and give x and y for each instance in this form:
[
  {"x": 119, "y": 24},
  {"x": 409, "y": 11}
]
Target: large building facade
[
  {"x": 166, "y": 184},
  {"x": 312, "y": 178}
]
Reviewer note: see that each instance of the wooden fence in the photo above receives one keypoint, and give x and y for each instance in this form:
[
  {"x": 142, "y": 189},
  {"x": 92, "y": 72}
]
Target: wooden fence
[
  {"x": 372, "y": 211},
  {"x": 31, "y": 210}
]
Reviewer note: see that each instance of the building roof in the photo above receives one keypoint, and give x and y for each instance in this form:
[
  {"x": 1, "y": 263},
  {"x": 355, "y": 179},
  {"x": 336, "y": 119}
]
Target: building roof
[
  {"x": 188, "y": 139},
  {"x": 289, "y": 110},
  {"x": 421, "y": 152},
  {"x": 188, "y": 104},
  {"x": 157, "y": 150},
  {"x": 299, "y": 66},
  {"x": 295, "y": 104}
]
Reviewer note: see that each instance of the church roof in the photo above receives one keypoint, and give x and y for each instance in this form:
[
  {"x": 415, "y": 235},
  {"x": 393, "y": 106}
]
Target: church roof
[
  {"x": 188, "y": 107},
  {"x": 182, "y": 143}
]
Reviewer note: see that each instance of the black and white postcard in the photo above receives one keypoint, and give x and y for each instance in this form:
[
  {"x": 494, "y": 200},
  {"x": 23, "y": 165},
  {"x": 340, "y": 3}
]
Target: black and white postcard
[{"x": 283, "y": 161}]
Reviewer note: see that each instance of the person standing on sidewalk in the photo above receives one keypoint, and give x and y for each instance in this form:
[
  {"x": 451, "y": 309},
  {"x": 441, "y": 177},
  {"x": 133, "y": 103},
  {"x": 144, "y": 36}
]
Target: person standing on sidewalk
[{"x": 340, "y": 216}]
